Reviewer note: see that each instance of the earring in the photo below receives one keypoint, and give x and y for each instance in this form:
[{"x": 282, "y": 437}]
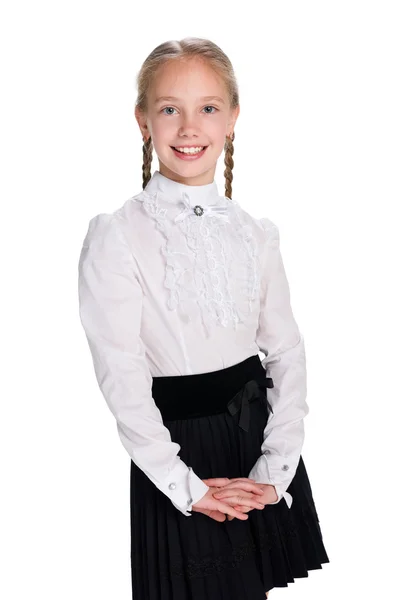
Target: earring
[{"x": 228, "y": 140}]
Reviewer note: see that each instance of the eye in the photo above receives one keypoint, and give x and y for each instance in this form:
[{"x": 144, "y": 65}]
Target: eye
[
  {"x": 210, "y": 113},
  {"x": 172, "y": 108},
  {"x": 162, "y": 110}
]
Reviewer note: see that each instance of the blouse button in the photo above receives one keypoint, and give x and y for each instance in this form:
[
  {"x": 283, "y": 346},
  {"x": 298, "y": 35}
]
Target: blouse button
[
  {"x": 285, "y": 467},
  {"x": 172, "y": 486},
  {"x": 198, "y": 210}
]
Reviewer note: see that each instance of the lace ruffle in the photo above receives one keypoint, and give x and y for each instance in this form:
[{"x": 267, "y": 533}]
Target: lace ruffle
[{"x": 210, "y": 262}]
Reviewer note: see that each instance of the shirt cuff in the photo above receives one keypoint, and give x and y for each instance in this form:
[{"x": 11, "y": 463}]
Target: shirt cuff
[
  {"x": 275, "y": 470},
  {"x": 282, "y": 494},
  {"x": 183, "y": 487}
]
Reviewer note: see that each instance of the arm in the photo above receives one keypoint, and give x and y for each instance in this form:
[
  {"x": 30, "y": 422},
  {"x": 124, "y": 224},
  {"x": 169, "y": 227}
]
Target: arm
[
  {"x": 279, "y": 338},
  {"x": 110, "y": 308}
]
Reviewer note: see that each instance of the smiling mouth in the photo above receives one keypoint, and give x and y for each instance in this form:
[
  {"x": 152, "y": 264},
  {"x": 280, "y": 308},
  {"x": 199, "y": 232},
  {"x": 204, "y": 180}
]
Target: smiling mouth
[{"x": 190, "y": 151}]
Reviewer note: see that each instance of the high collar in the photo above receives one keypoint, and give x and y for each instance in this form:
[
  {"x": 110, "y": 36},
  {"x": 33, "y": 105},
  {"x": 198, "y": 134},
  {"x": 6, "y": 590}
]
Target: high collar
[{"x": 173, "y": 191}]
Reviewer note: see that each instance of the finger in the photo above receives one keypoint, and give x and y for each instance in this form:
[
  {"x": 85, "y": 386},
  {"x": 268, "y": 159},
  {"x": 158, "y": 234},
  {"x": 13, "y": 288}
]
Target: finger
[
  {"x": 229, "y": 510},
  {"x": 244, "y": 483},
  {"x": 253, "y": 504},
  {"x": 250, "y": 487},
  {"x": 214, "y": 514},
  {"x": 217, "y": 516},
  {"x": 243, "y": 508},
  {"x": 242, "y": 479},
  {"x": 229, "y": 491},
  {"x": 242, "y": 501},
  {"x": 216, "y": 481},
  {"x": 254, "y": 487}
]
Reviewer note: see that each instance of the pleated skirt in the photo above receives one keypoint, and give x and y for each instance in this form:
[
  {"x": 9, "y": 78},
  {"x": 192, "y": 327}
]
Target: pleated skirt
[{"x": 218, "y": 419}]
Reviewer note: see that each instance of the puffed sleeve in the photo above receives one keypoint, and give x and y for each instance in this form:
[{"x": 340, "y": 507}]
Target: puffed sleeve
[
  {"x": 279, "y": 338},
  {"x": 110, "y": 308}
]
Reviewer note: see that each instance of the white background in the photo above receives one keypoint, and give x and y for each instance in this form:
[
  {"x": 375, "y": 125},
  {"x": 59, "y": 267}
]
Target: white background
[{"x": 316, "y": 150}]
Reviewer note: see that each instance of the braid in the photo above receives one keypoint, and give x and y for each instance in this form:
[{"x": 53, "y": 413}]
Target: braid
[
  {"x": 147, "y": 158},
  {"x": 229, "y": 149},
  {"x": 229, "y": 165}
]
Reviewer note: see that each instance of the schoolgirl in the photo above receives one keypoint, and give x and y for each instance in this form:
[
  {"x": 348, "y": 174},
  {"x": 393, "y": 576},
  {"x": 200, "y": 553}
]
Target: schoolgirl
[{"x": 179, "y": 290}]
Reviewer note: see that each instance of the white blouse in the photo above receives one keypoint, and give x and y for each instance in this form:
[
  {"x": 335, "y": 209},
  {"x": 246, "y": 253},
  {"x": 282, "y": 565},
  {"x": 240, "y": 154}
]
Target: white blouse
[{"x": 180, "y": 280}]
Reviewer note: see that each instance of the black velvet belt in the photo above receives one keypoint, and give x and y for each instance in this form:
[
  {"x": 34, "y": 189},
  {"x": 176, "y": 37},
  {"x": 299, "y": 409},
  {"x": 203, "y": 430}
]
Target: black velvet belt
[{"x": 228, "y": 390}]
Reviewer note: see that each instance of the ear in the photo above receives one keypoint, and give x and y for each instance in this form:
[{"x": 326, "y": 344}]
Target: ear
[
  {"x": 142, "y": 122},
  {"x": 233, "y": 118}
]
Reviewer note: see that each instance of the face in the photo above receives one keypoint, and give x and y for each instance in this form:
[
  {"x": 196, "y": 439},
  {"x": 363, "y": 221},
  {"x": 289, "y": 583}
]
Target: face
[{"x": 196, "y": 113}]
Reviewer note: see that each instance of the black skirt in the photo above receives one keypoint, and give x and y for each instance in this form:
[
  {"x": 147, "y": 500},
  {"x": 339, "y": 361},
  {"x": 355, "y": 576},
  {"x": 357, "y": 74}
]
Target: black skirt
[{"x": 218, "y": 419}]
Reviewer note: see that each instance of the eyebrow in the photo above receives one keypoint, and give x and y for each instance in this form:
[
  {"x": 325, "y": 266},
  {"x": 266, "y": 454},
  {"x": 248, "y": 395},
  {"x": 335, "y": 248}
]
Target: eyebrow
[{"x": 204, "y": 98}]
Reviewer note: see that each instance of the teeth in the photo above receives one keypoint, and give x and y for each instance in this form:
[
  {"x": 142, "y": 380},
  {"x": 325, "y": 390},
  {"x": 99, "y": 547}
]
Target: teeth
[{"x": 190, "y": 150}]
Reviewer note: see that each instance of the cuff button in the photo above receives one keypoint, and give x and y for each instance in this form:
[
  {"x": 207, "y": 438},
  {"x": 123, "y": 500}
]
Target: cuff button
[
  {"x": 285, "y": 468},
  {"x": 172, "y": 486}
]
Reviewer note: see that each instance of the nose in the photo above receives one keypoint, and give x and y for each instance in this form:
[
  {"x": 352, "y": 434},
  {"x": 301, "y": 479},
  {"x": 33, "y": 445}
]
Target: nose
[{"x": 188, "y": 126}]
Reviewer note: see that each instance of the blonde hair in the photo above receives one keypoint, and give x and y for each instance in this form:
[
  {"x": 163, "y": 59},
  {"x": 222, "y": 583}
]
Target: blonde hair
[{"x": 189, "y": 47}]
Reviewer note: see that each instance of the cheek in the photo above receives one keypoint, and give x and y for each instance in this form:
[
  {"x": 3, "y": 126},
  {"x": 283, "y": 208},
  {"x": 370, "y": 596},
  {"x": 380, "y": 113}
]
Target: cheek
[
  {"x": 163, "y": 133},
  {"x": 218, "y": 137},
  {"x": 217, "y": 129},
  {"x": 162, "y": 130}
]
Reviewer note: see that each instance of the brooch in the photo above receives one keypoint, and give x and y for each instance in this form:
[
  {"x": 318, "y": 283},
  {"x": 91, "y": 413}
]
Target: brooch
[
  {"x": 219, "y": 211},
  {"x": 198, "y": 210}
]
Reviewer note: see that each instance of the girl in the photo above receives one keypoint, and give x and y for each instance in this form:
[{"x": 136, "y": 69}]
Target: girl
[{"x": 179, "y": 289}]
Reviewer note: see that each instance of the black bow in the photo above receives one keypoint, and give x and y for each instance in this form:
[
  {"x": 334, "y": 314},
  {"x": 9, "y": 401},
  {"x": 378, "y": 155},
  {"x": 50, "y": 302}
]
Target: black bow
[{"x": 250, "y": 391}]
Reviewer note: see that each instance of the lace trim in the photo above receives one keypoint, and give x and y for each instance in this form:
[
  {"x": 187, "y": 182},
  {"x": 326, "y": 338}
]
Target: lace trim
[
  {"x": 193, "y": 566},
  {"x": 198, "y": 266}
]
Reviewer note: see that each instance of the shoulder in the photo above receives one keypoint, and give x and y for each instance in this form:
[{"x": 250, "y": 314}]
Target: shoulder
[
  {"x": 266, "y": 229},
  {"x": 102, "y": 230},
  {"x": 270, "y": 230},
  {"x": 107, "y": 228}
]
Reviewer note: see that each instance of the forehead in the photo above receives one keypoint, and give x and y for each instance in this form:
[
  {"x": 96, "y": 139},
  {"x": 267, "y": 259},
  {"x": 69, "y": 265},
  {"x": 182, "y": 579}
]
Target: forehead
[{"x": 190, "y": 79}]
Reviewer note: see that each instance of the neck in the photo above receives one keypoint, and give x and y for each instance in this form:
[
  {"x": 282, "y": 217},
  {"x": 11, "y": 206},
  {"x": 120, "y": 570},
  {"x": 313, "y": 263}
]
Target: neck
[
  {"x": 201, "y": 179},
  {"x": 173, "y": 191}
]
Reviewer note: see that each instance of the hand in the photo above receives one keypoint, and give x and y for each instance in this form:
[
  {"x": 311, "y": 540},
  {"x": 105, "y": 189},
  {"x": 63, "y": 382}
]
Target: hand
[
  {"x": 216, "y": 509},
  {"x": 228, "y": 493}
]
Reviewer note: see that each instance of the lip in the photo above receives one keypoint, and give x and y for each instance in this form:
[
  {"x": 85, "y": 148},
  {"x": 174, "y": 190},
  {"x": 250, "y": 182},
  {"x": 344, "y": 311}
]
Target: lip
[
  {"x": 183, "y": 156},
  {"x": 189, "y": 146}
]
